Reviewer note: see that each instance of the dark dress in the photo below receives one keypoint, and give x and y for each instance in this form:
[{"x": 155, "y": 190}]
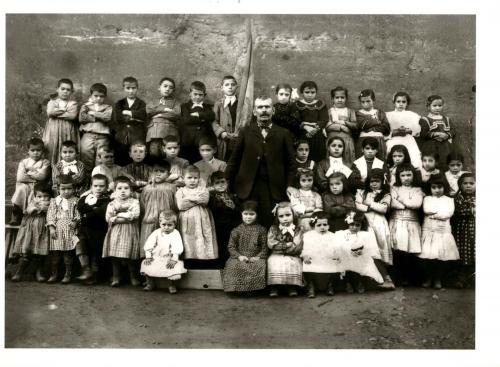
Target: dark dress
[
  {"x": 337, "y": 207},
  {"x": 240, "y": 276},
  {"x": 376, "y": 126},
  {"x": 430, "y": 125},
  {"x": 464, "y": 227},
  {"x": 314, "y": 112},
  {"x": 287, "y": 116}
]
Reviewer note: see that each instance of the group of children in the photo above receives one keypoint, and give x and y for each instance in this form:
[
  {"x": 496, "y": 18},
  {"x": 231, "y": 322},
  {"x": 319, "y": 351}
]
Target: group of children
[{"x": 166, "y": 204}]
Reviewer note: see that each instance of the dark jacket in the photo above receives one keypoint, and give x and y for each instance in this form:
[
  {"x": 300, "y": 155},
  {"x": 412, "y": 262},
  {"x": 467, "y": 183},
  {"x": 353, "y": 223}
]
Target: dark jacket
[{"x": 129, "y": 129}]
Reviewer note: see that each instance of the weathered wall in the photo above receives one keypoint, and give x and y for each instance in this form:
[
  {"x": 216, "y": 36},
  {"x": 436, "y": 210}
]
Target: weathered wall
[{"x": 421, "y": 54}]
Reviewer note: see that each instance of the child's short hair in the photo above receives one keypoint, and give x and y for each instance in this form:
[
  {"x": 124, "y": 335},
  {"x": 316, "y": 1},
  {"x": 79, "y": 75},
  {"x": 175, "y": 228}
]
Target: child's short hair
[
  {"x": 99, "y": 176},
  {"x": 249, "y": 205},
  {"x": 306, "y": 172},
  {"x": 65, "y": 81},
  {"x": 454, "y": 156},
  {"x": 283, "y": 86},
  {"x": 198, "y": 86},
  {"x": 191, "y": 169},
  {"x": 168, "y": 215},
  {"x": 432, "y": 98},
  {"x": 170, "y": 139},
  {"x": 42, "y": 188},
  {"x": 166, "y": 78},
  {"x": 65, "y": 180},
  {"x": 371, "y": 141},
  {"x": 339, "y": 89},
  {"x": 206, "y": 140},
  {"x": 341, "y": 176},
  {"x": 430, "y": 153},
  {"x": 401, "y": 94},
  {"x": 228, "y": 77},
  {"x": 357, "y": 216},
  {"x": 130, "y": 79},
  {"x": 161, "y": 163},
  {"x": 317, "y": 216},
  {"x": 301, "y": 141},
  {"x": 217, "y": 175},
  {"x": 100, "y": 88},
  {"x": 308, "y": 84},
  {"x": 367, "y": 93},
  {"x": 36, "y": 142},
  {"x": 401, "y": 149},
  {"x": 437, "y": 179},
  {"x": 332, "y": 138},
  {"x": 105, "y": 149},
  {"x": 404, "y": 167},
  {"x": 69, "y": 144},
  {"x": 137, "y": 143},
  {"x": 283, "y": 205},
  {"x": 463, "y": 177},
  {"x": 123, "y": 179}
]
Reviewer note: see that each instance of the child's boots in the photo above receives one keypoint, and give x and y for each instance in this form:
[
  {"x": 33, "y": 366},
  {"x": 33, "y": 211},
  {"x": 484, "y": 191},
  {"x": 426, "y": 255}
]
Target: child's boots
[
  {"x": 329, "y": 288},
  {"x": 86, "y": 272},
  {"x": 23, "y": 264},
  {"x": 68, "y": 262},
  {"x": 311, "y": 292},
  {"x": 39, "y": 265},
  {"x": 54, "y": 266},
  {"x": 133, "y": 278},
  {"x": 172, "y": 289},
  {"x": 150, "y": 285}
]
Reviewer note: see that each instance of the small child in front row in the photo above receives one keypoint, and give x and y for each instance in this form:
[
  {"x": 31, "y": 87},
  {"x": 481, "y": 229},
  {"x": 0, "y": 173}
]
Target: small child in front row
[
  {"x": 138, "y": 171},
  {"x": 31, "y": 170},
  {"x": 63, "y": 219},
  {"x": 196, "y": 223},
  {"x": 245, "y": 270},
  {"x": 162, "y": 250},
  {"x": 429, "y": 162},
  {"x": 107, "y": 166},
  {"x": 304, "y": 200},
  {"x": 404, "y": 224},
  {"x": 122, "y": 239},
  {"x": 70, "y": 165},
  {"x": 208, "y": 163},
  {"x": 438, "y": 244},
  {"x": 337, "y": 201},
  {"x": 285, "y": 240},
  {"x": 464, "y": 227},
  {"x": 32, "y": 240},
  {"x": 171, "y": 148},
  {"x": 455, "y": 162},
  {"x": 397, "y": 156},
  {"x": 320, "y": 254},
  {"x": 375, "y": 201}
]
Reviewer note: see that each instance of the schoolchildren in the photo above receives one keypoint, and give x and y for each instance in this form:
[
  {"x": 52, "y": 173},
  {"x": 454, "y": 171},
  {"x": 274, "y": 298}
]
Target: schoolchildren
[
  {"x": 429, "y": 166},
  {"x": 130, "y": 120},
  {"x": 162, "y": 250},
  {"x": 106, "y": 166},
  {"x": 171, "y": 148},
  {"x": 163, "y": 115},
  {"x": 225, "y": 123},
  {"x": 304, "y": 200},
  {"x": 302, "y": 155},
  {"x": 70, "y": 165},
  {"x": 31, "y": 170},
  {"x": 95, "y": 117},
  {"x": 368, "y": 160},
  {"x": 454, "y": 160},
  {"x": 196, "y": 122},
  {"x": 397, "y": 156},
  {"x": 337, "y": 201},
  {"x": 245, "y": 270},
  {"x": 208, "y": 163},
  {"x": 138, "y": 171},
  {"x": 62, "y": 125},
  {"x": 286, "y": 113}
]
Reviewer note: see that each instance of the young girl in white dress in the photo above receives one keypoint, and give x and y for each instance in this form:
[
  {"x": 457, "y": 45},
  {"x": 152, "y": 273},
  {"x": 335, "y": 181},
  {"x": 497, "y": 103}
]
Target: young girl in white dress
[
  {"x": 438, "y": 244},
  {"x": 122, "y": 240},
  {"x": 304, "y": 200},
  {"x": 162, "y": 250},
  {"x": 404, "y": 224},
  {"x": 404, "y": 127},
  {"x": 375, "y": 201},
  {"x": 320, "y": 254}
]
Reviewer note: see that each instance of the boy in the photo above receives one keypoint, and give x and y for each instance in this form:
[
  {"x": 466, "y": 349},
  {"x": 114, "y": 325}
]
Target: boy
[
  {"x": 196, "y": 122},
  {"x": 164, "y": 116},
  {"x": 208, "y": 164},
  {"x": 107, "y": 167},
  {"x": 69, "y": 165},
  {"x": 95, "y": 117},
  {"x": 130, "y": 120},
  {"x": 368, "y": 161},
  {"x": 171, "y": 149},
  {"x": 224, "y": 125},
  {"x": 138, "y": 171}
]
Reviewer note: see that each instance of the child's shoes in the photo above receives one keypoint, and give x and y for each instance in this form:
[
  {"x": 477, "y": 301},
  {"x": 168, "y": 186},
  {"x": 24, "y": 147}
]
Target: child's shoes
[
  {"x": 311, "y": 293},
  {"x": 172, "y": 289},
  {"x": 115, "y": 282},
  {"x": 86, "y": 274},
  {"x": 39, "y": 276},
  {"x": 348, "y": 288},
  {"x": 292, "y": 292},
  {"x": 437, "y": 284},
  {"x": 273, "y": 292},
  {"x": 388, "y": 283},
  {"x": 67, "y": 277},
  {"x": 360, "y": 288},
  {"x": 148, "y": 288},
  {"x": 23, "y": 264}
]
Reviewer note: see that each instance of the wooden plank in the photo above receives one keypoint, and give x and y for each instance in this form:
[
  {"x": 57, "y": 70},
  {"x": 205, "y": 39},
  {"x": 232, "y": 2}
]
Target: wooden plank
[{"x": 196, "y": 279}]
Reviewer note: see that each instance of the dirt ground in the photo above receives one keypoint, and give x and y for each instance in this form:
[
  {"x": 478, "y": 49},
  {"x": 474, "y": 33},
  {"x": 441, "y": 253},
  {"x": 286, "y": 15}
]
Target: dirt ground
[{"x": 77, "y": 316}]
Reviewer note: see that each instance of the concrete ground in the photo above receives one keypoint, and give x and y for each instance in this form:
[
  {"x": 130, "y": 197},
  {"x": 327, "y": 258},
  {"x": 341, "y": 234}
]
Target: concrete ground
[{"x": 77, "y": 316}]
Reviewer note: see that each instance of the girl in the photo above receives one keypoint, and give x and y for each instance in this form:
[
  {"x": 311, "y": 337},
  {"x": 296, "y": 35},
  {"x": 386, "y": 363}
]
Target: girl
[
  {"x": 69, "y": 165},
  {"x": 313, "y": 116},
  {"x": 62, "y": 124},
  {"x": 337, "y": 202},
  {"x": 32, "y": 240},
  {"x": 156, "y": 197},
  {"x": 304, "y": 200},
  {"x": 302, "y": 155},
  {"x": 397, "y": 156},
  {"x": 62, "y": 220},
  {"x": 335, "y": 163},
  {"x": 375, "y": 201},
  {"x": 406, "y": 200},
  {"x": 286, "y": 114},
  {"x": 162, "y": 250},
  {"x": 429, "y": 161},
  {"x": 436, "y": 131},
  {"x": 321, "y": 254},
  {"x": 30, "y": 171},
  {"x": 404, "y": 127},
  {"x": 455, "y": 163},
  {"x": 196, "y": 223},
  {"x": 371, "y": 122},
  {"x": 464, "y": 226},
  {"x": 122, "y": 240},
  {"x": 342, "y": 122},
  {"x": 438, "y": 244},
  {"x": 245, "y": 270},
  {"x": 285, "y": 240},
  {"x": 358, "y": 249}
]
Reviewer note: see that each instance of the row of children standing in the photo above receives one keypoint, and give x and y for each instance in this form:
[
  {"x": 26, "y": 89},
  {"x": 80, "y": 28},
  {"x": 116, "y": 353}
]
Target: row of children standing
[{"x": 192, "y": 128}]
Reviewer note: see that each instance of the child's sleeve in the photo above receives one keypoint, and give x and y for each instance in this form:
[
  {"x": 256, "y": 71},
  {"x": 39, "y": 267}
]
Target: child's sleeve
[
  {"x": 462, "y": 209},
  {"x": 298, "y": 244},
  {"x": 51, "y": 213},
  {"x": 318, "y": 203},
  {"x": 395, "y": 204},
  {"x": 323, "y": 117},
  {"x": 428, "y": 205},
  {"x": 71, "y": 111},
  {"x": 134, "y": 211},
  {"x": 262, "y": 241},
  {"x": 80, "y": 177},
  {"x": 76, "y": 215},
  {"x": 424, "y": 128},
  {"x": 232, "y": 246},
  {"x": 84, "y": 116},
  {"x": 332, "y": 208},
  {"x": 451, "y": 131},
  {"x": 320, "y": 173},
  {"x": 385, "y": 127},
  {"x": 293, "y": 195},
  {"x": 110, "y": 211},
  {"x": 150, "y": 244},
  {"x": 381, "y": 206},
  {"x": 273, "y": 241},
  {"x": 21, "y": 173},
  {"x": 139, "y": 113},
  {"x": 207, "y": 114},
  {"x": 55, "y": 177},
  {"x": 104, "y": 116},
  {"x": 182, "y": 203},
  {"x": 216, "y": 126},
  {"x": 359, "y": 202},
  {"x": 351, "y": 121},
  {"x": 174, "y": 115},
  {"x": 415, "y": 202},
  {"x": 445, "y": 210},
  {"x": 177, "y": 246},
  {"x": 43, "y": 172},
  {"x": 354, "y": 180},
  {"x": 153, "y": 109}
]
